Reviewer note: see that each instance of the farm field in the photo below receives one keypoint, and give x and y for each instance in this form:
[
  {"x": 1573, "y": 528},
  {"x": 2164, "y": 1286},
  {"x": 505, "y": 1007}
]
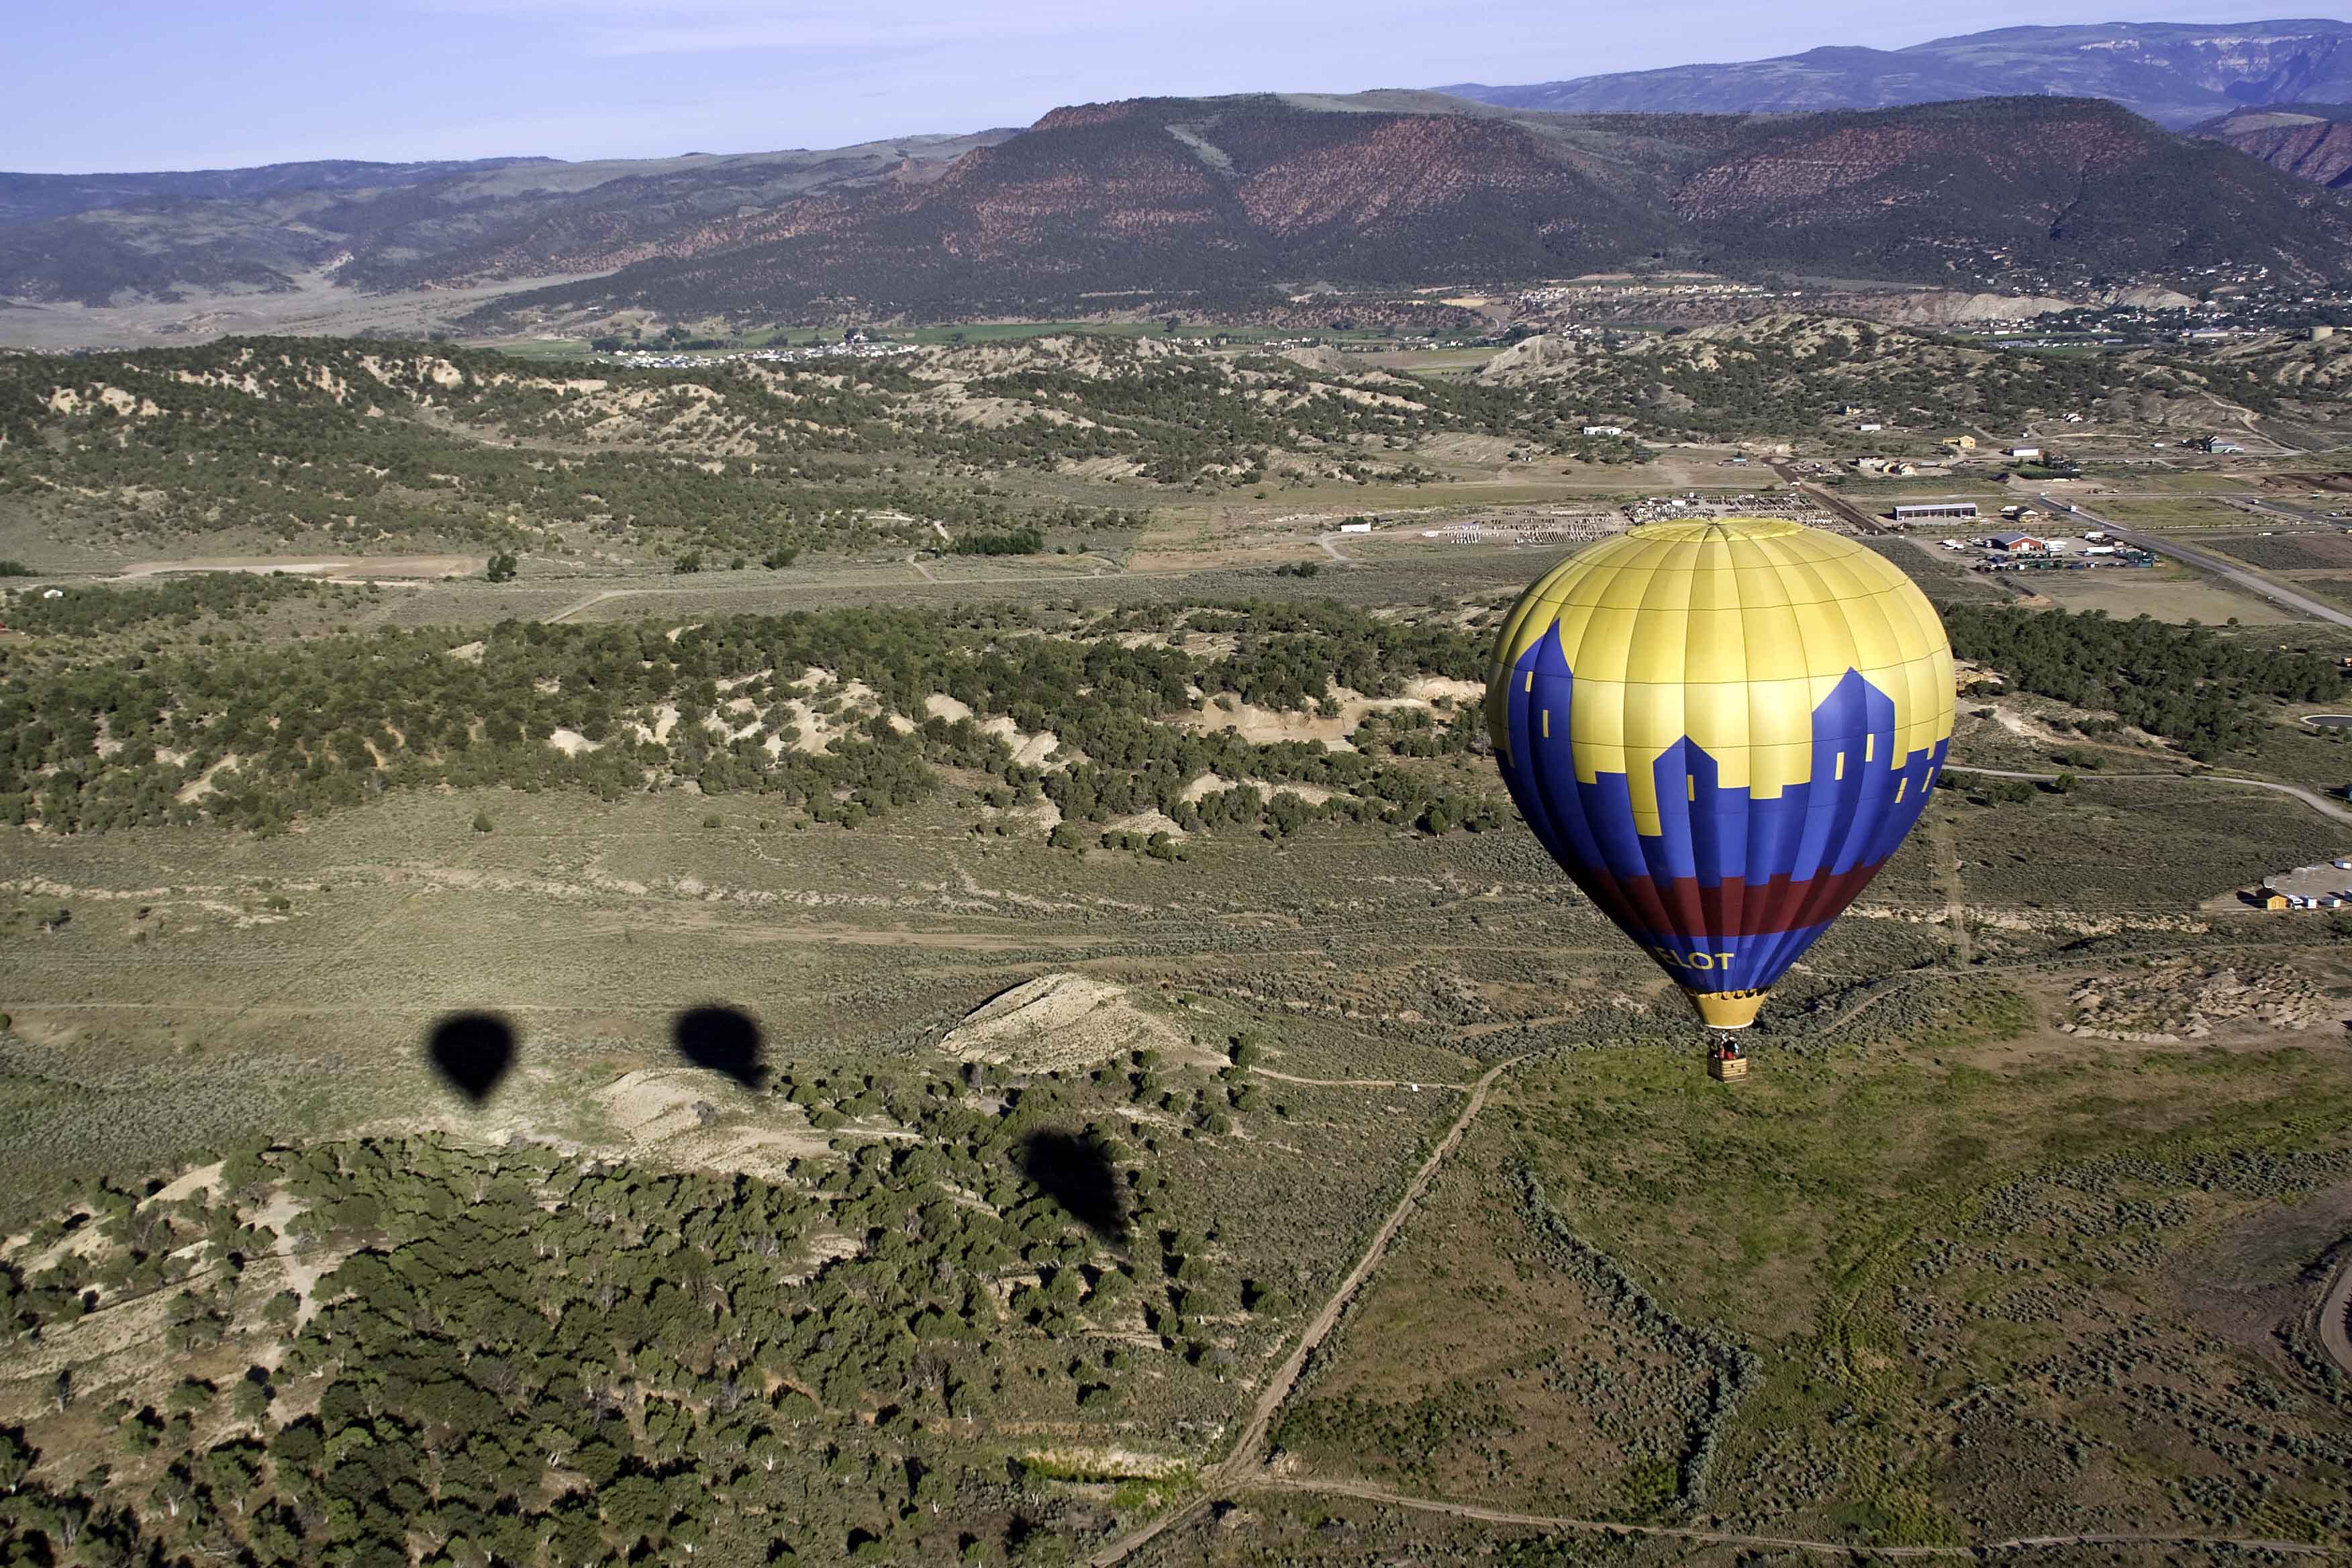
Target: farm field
[
  {"x": 2167, "y": 592},
  {"x": 2182, "y": 513}
]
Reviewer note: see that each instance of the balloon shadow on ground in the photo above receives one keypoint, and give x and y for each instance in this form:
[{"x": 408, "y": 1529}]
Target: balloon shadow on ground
[
  {"x": 724, "y": 1039},
  {"x": 471, "y": 1052},
  {"x": 1072, "y": 1169}
]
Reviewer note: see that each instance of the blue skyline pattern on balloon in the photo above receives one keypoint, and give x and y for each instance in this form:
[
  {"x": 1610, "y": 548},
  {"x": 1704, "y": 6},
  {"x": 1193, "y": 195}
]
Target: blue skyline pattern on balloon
[{"x": 1758, "y": 879}]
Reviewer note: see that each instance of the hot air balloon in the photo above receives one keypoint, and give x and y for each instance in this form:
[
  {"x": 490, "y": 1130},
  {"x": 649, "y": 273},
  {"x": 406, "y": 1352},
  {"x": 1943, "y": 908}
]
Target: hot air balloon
[{"x": 1721, "y": 728}]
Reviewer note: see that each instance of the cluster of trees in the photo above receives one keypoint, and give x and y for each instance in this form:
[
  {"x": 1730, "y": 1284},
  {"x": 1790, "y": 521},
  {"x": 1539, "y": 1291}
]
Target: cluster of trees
[
  {"x": 1011, "y": 541},
  {"x": 441, "y": 444},
  {"x": 425, "y": 447},
  {"x": 1790, "y": 376},
  {"x": 253, "y": 735},
  {"x": 165, "y": 604},
  {"x": 2193, "y": 685},
  {"x": 529, "y": 1355}
]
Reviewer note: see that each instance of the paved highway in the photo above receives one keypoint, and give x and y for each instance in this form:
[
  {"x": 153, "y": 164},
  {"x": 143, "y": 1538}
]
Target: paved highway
[{"x": 2205, "y": 561}]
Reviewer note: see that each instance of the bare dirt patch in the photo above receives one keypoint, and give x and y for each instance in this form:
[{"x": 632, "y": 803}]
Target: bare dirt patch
[
  {"x": 338, "y": 568},
  {"x": 1059, "y": 1020},
  {"x": 1333, "y": 723},
  {"x": 682, "y": 1118}
]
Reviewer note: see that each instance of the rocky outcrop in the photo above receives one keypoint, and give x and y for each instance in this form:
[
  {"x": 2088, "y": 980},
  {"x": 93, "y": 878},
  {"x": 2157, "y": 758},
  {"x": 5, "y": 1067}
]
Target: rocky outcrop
[
  {"x": 2178, "y": 999},
  {"x": 2309, "y": 145}
]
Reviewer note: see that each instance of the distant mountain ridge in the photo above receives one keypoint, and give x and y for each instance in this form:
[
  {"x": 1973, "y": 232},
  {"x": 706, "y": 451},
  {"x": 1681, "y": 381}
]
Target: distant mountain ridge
[
  {"x": 2177, "y": 74},
  {"x": 1219, "y": 202},
  {"x": 1209, "y": 197},
  {"x": 161, "y": 237},
  {"x": 33, "y": 198}
]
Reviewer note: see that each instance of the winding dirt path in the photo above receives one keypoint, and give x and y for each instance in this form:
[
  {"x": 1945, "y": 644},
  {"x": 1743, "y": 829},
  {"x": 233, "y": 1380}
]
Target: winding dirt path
[{"x": 1415, "y": 1084}]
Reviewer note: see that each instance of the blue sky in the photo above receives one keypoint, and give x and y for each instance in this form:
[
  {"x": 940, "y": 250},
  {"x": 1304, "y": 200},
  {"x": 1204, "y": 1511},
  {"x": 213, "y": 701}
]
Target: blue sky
[{"x": 148, "y": 84}]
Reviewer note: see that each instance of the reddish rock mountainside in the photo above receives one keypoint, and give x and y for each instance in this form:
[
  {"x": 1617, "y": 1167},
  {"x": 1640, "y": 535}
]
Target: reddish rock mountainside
[
  {"x": 1210, "y": 198},
  {"x": 2311, "y": 143},
  {"x": 2044, "y": 182},
  {"x": 1174, "y": 195},
  {"x": 1234, "y": 203}
]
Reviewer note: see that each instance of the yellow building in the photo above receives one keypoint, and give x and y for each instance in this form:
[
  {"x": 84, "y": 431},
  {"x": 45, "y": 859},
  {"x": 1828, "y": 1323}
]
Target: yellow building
[{"x": 1965, "y": 443}]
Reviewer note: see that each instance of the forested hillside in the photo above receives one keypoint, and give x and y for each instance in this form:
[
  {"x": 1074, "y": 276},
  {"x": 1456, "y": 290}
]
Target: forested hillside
[
  {"x": 409, "y": 445},
  {"x": 830, "y": 717},
  {"x": 105, "y": 239},
  {"x": 1788, "y": 373},
  {"x": 406, "y": 446}
]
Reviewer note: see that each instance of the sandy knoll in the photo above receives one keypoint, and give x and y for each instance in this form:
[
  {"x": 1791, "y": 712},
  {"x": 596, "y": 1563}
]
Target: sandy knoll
[
  {"x": 1217, "y": 784},
  {"x": 1058, "y": 1020},
  {"x": 678, "y": 1115},
  {"x": 1262, "y": 726}
]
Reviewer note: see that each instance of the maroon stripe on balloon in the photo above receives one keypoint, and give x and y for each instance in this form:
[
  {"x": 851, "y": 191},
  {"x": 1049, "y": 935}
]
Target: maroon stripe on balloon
[{"x": 1682, "y": 906}]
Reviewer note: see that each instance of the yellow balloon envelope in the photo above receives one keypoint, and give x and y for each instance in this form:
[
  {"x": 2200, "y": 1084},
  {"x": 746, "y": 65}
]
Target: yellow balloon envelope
[{"x": 1721, "y": 728}]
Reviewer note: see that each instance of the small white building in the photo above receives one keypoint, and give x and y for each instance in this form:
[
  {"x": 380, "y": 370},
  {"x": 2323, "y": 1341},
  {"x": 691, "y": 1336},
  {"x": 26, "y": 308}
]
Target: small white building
[
  {"x": 1604, "y": 429},
  {"x": 1874, "y": 425},
  {"x": 1354, "y": 527},
  {"x": 2023, "y": 453}
]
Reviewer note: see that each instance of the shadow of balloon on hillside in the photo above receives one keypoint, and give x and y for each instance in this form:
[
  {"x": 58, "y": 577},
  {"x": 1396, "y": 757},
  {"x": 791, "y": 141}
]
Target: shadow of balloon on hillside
[
  {"x": 1072, "y": 1169},
  {"x": 724, "y": 1039},
  {"x": 471, "y": 1052}
]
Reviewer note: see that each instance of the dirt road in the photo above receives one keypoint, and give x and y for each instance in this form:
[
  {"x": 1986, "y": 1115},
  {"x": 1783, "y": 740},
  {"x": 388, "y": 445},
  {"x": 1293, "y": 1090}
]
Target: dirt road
[
  {"x": 2312, "y": 799},
  {"x": 569, "y": 611},
  {"x": 331, "y": 568},
  {"x": 1836, "y": 505},
  {"x": 1243, "y": 1460},
  {"x": 1355, "y": 1082},
  {"x": 1558, "y": 1525},
  {"x": 1947, "y": 872},
  {"x": 1772, "y": 1543}
]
